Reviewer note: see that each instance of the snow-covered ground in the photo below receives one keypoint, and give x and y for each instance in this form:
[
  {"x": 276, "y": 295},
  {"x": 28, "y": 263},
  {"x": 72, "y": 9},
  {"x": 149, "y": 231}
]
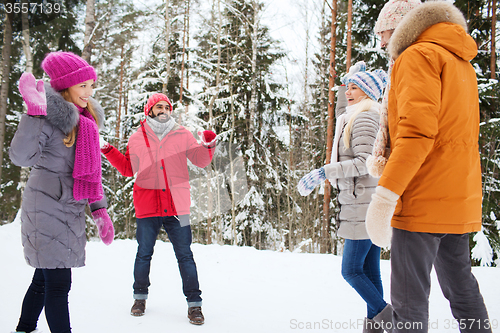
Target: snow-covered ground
[{"x": 244, "y": 290}]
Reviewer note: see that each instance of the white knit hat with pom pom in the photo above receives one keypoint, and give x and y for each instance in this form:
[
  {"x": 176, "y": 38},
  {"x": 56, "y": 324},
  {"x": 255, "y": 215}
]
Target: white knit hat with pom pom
[{"x": 392, "y": 13}]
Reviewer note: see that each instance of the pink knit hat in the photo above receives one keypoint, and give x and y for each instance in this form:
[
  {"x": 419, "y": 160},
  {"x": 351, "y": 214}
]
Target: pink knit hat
[
  {"x": 66, "y": 69},
  {"x": 392, "y": 13},
  {"x": 155, "y": 98}
]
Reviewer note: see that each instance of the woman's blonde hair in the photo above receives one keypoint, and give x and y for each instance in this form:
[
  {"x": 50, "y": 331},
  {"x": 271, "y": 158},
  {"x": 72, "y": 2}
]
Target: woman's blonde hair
[
  {"x": 70, "y": 138},
  {"x": 364, "y": 105}
]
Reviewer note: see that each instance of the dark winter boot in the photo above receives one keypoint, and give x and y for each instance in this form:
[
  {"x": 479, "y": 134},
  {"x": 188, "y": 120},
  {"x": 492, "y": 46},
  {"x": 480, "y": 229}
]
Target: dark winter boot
[
  {"x": 384, "y": 318},
  {"x": 195, "y": 315},
  {"x": 371, "y": 326},
  {"x": 138, "y": 308}
]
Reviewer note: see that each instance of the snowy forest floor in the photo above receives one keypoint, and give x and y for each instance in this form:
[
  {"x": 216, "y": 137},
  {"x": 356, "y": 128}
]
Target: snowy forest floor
[{"x": 244, "y": 290}]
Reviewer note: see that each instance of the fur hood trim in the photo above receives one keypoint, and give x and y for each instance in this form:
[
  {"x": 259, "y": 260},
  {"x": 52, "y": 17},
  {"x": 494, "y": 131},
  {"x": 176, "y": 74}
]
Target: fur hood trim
[
  {"x": 63, "y": 114},
  {"x": 420, "y": 19}
]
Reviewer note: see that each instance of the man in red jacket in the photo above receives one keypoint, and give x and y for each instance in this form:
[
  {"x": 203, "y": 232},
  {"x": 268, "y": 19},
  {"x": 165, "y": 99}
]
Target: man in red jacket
[{"x": 158, "y": 152}]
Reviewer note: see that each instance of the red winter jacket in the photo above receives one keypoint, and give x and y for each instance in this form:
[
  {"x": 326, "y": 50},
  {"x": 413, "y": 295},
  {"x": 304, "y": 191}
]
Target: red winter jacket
[{"x": 162, "y": 184}]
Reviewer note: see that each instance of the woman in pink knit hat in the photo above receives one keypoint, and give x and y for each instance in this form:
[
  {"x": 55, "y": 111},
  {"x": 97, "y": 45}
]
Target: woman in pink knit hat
[{"x": 59, "y": 139}]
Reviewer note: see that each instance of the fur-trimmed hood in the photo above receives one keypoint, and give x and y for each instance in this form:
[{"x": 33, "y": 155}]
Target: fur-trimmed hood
[
  {"x": 63, "y": 114},
  {"x": 421, "y": 18}
]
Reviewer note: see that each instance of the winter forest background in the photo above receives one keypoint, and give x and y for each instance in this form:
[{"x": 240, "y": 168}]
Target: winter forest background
[{"x": 256, "y": 73}]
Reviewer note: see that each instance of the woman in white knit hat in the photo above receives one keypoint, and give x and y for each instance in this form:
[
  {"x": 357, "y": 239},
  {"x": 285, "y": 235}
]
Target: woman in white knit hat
[
  {"x": 354, "y": 136},
  {"x": 391, "y": 14}
]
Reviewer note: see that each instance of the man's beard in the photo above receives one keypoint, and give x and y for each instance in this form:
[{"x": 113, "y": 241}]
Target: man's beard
[{"x": 162, "y": 117}]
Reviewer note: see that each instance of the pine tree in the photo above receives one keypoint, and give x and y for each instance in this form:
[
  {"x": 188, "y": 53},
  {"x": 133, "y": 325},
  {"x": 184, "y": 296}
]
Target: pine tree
[
  {"x": 48, "y": 32},
  {"x": 320, "y": 87},
  {"x": 478, "y": 16},
  {"x": 115, "y": 44},
  {"x": 247, "y": 99}
]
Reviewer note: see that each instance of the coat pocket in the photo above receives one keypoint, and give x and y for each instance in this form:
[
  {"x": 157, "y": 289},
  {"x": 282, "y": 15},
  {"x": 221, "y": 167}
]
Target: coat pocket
[
  {"x": 181, "y": 194},
  {"x": 145, "y": 201}
]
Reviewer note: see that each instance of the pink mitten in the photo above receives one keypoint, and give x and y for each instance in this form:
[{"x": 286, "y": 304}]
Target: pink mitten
[
  {"x": 33, "y": 94},
  {"x": 104, "y": 225},
  {"x": 208, "y": 138}
]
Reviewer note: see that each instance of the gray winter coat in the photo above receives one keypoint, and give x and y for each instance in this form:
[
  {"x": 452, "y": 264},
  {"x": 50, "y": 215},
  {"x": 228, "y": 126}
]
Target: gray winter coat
[
  {"x": 52, "y": 222},
  {"x": 354, "y": 183}
]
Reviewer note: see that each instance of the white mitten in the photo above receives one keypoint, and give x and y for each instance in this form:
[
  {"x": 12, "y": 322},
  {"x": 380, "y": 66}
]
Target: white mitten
[
  {"x": 379, "y": 216},
  {"x": 103, "y": 144},
  {"x": 208, "y": 138}
]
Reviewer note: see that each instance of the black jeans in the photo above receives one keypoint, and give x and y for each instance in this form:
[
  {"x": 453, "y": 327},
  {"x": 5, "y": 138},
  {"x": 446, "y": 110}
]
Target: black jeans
[
  {"x": 49, "y": 288},
  {"x": 413, "y": 254}
]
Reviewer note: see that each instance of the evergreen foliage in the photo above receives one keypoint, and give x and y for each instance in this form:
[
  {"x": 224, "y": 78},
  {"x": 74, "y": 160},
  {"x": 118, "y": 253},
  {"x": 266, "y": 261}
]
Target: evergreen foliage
[
  {"x": 48, "y": 31},
  {"x": 233, "y": 79}
]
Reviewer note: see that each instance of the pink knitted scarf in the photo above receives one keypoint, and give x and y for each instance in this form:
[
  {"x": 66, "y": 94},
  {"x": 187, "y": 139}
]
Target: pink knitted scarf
[{"x": 87, "y": 169}]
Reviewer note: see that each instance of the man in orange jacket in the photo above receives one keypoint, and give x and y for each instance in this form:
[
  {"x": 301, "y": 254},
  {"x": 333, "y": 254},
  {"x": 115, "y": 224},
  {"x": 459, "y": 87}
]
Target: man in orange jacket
[{"x": 431, "y": 185}]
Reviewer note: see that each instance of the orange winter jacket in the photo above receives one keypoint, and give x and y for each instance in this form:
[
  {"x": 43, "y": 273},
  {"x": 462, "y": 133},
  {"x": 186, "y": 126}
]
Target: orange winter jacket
[{"x": 433, "y": 118}]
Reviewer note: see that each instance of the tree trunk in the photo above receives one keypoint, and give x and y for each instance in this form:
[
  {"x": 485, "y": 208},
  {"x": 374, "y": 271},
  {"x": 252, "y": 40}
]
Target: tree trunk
[
  {"x": 253, "y": 83},
  {"x": 210, "y": 120},
  {"x": 26, "y": 41},
  {"x": 183, "y": 58},
  {"x": 306, "y": 69},
  {"x": 167, "y": 42},
  {"x": 323, "y": 71},
  {"x": 290, "y": 189},
  {"x": 291, "y": 210},
  {"x": 120, "y": 97},
  {"x": 4, "y": 90},
  {"x": 493, "y": 36},
  {"x": 187, "y": 55},
  {"x": 325, "y": 232},
  {"x": 234, "y": 236},
  {"x": 217, "y": 73},
  {"x": 125, "y": 111},
  {"x": 29, "y": 69},
  {"x": 308, "y": 154},
  {"x": 89, "y": 30},
  {"x": 317, "y": 240},
  {"x": 349, "y": 34},
  {"x": 307, "y": 157}
]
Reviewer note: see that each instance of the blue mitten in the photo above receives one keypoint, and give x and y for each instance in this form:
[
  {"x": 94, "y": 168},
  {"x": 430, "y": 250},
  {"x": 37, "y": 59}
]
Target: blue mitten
[{"x": 311, "y": 180}]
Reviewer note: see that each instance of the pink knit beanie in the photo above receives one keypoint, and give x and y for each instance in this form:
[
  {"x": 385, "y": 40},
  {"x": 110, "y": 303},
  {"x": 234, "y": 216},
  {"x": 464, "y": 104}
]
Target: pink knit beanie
[
  {"x": 392, "y": 13},
  {"x": 66, "y": 69},
  {"x": 155, "y": 98}
]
